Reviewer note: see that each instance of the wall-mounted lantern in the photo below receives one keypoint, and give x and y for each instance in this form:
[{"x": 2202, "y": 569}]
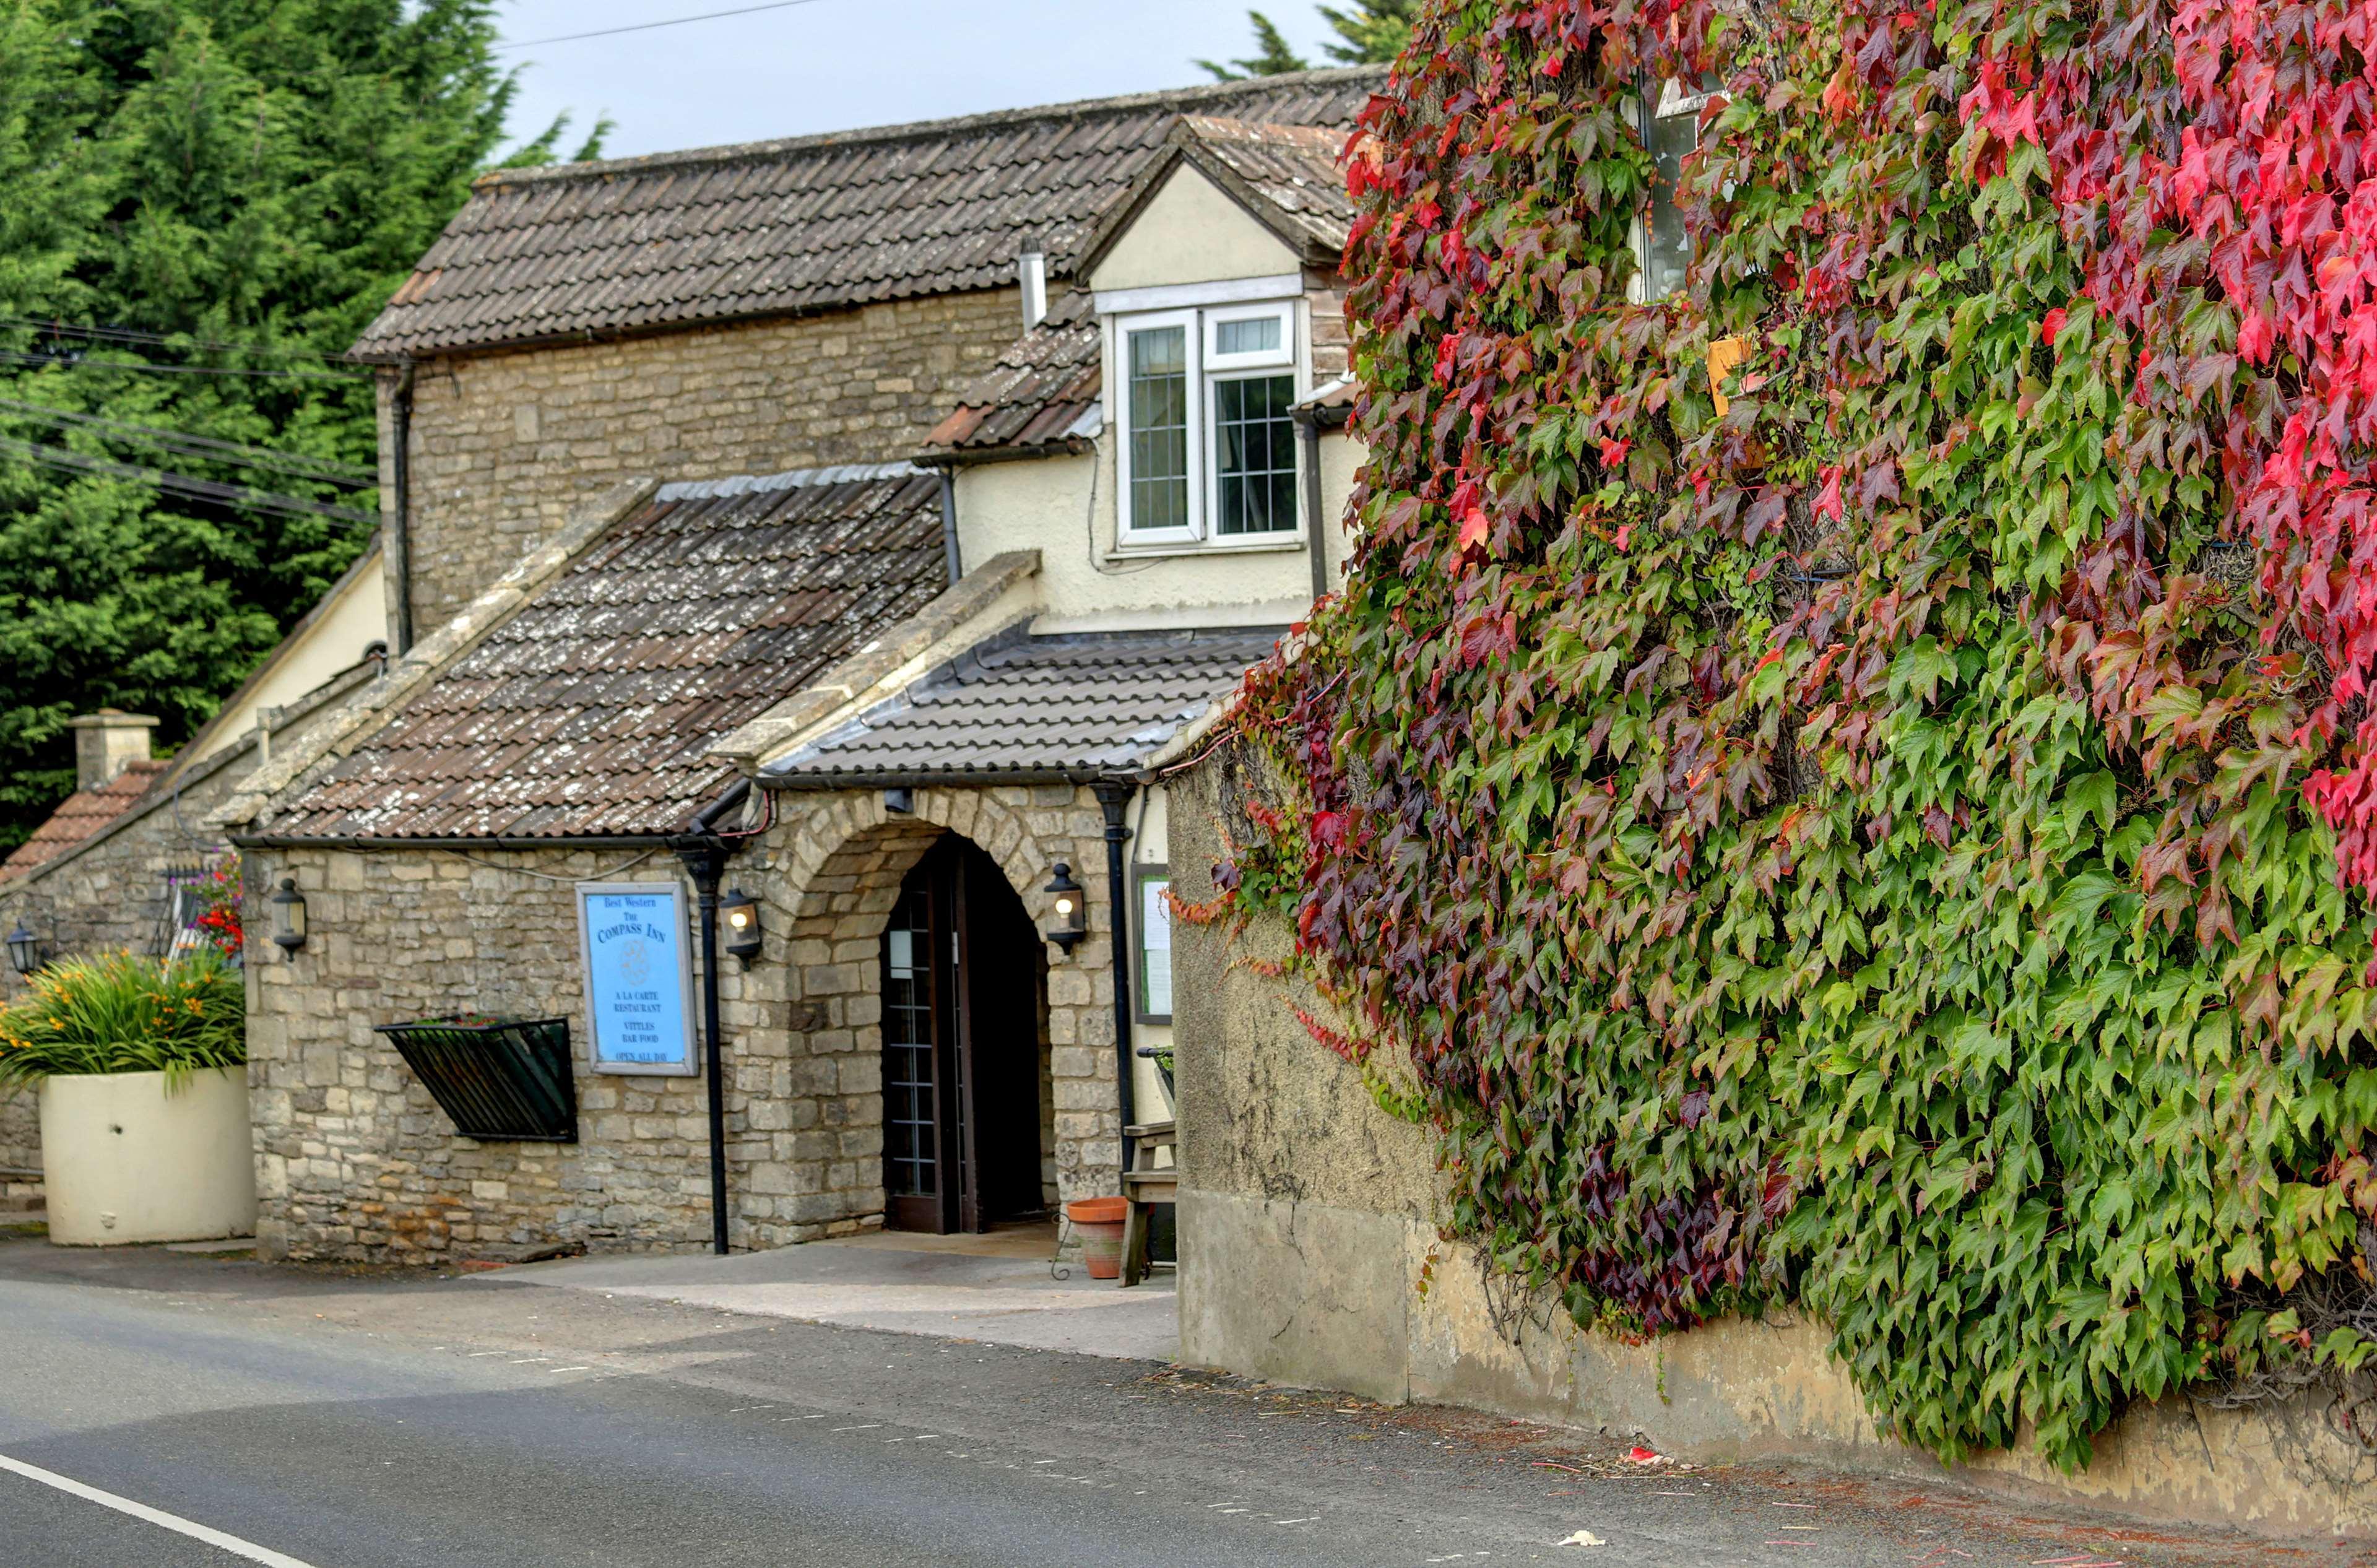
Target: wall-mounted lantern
[
  {"x": 288, "y": 916},
  {"x": 743, "y": 936},
  {"x": 25, "y": 954},
  {"x": 1073, "y": 910}
]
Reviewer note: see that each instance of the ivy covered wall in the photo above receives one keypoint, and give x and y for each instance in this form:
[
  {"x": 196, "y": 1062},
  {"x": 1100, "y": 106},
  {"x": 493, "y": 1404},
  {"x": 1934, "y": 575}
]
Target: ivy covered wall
[{"x": 1895, "y": 845}]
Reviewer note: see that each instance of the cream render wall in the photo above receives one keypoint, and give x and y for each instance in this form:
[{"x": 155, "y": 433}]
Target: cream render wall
[
  {"x": 1063, "y": 506},
  {"x": 1191, "y": 232},
  {"x": 352, "y": 617}
]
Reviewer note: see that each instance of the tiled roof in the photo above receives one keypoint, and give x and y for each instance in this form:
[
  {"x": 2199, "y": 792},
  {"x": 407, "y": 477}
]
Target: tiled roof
[
  {"x": 1293, "y": 167},
  {"x": 81, "y": 815},
  {"x": 589, "y": 712},
  {"x": 811, "y": 223},
  {"x": 1041, "y": 392},
  {"x": 1075, "y": 707}
]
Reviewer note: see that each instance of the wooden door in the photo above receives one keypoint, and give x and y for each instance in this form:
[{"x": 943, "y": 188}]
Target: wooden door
[
  {"x": 962, "y": 1010},
  {"x": 917, "y": 1031}
]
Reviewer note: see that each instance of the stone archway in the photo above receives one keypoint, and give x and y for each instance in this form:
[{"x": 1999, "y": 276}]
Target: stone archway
[{"x": 840, "y": 864}]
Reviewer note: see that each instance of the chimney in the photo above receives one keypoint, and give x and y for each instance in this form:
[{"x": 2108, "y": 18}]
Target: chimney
[
  {"x": 106, "y": 743},
  {"x": 1032, "y": 272}
]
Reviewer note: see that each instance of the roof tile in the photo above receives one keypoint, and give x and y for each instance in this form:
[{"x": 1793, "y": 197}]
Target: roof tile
[
  {"x": 1074, "y": 706},
  {"x": 590, "y": 712},
  {"x": 812, "y": 223}
]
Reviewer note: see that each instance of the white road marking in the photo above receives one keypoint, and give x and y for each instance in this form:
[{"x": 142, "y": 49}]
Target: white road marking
[{"x": 157, "y": 1516}]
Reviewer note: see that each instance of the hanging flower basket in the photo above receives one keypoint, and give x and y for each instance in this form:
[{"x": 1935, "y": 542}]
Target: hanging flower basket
[{"x": 502, "y": 1080}]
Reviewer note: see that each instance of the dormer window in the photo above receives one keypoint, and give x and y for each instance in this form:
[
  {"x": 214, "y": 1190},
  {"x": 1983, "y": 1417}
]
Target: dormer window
[{"x": 1208, "y": 448}]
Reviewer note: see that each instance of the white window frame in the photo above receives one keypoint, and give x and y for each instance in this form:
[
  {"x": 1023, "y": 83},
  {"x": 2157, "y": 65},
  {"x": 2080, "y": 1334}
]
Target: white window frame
[
  {"x": 1192, "y": 342},
  {"x": 1207, "y": 366}
]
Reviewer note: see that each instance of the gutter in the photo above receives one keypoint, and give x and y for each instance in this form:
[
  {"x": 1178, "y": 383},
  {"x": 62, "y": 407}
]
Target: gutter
[
  {"x": 895, "y": 778},
  {"x": 367, "y": 843},
  {"x": 1063, "y": 446}
]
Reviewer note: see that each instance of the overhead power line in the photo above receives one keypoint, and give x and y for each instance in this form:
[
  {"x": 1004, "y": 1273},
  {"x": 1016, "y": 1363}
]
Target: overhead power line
[
  {"x": 45, "y": 361},
  {"x": 188, "y": 486},
  {"x": 163, "y": 340},
  {"x": 646, "y": 27},
  {"x": 347, "y": 476}
]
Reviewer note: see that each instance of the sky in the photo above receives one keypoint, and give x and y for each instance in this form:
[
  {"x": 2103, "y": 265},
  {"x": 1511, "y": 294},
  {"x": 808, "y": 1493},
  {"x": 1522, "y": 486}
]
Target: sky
[{"x": 836, "y": 65}]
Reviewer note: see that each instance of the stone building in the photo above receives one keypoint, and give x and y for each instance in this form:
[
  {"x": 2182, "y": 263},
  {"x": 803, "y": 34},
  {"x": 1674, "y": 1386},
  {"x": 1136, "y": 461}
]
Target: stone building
[
  {"x": 117, "y": 865},
  {"x": 904, "y": 764},
  {"x": 747, "y": 309}
]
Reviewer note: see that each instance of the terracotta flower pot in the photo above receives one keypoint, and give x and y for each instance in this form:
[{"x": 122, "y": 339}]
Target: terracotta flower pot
[{"x": 1099, "y": 1222}]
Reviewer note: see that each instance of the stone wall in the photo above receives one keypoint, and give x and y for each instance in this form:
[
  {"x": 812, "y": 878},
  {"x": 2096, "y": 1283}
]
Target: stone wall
[
  {"x": 21, "y": 1131},
  {"x": 110, "y": 892},
  {"x": 831, "y": 869},
  {"x": 356, "y": 1161},
  {"x": 1312, "y": 1251},
  {"x": 504, "y": 443}
]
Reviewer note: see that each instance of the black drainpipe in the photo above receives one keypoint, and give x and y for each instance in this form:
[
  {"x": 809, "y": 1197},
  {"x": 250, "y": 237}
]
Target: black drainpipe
[
  {"x": 950, "y": 526},
  {"x": 399, "y": 523},
  {"x": 1308, "y": 428},
  {"x": 705, "y": 855},
  {"x": 1114, "y": 795}
]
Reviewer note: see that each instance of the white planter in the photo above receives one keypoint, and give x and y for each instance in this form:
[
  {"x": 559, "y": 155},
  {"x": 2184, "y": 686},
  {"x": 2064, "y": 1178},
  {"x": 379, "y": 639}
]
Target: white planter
[{"x": 121, "y": 1160}]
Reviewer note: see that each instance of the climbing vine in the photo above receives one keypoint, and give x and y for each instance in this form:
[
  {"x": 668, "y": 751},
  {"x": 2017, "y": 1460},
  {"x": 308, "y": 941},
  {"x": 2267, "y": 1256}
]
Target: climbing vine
[{"x": 1885, "y": 831}]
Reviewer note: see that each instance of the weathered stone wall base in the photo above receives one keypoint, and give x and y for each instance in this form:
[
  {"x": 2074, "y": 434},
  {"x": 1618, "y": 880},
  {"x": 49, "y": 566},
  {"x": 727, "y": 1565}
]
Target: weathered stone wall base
[
  {"x": 1311, "y": 1253},
  {"x": 1311, "y": 1294},
  {"x": 21, "y": 1131}
]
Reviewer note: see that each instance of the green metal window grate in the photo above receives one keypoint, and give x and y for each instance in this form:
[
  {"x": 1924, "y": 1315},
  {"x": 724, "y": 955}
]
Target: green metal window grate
[{"x": 501, "y": 1080}]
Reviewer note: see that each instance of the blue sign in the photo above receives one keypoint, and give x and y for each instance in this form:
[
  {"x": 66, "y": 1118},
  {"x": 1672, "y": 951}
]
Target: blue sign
[{"x": 639, "y": 975}]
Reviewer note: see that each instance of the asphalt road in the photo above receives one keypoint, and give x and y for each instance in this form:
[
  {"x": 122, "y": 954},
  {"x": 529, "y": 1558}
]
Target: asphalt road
[{"x": 383, "y": 1421}]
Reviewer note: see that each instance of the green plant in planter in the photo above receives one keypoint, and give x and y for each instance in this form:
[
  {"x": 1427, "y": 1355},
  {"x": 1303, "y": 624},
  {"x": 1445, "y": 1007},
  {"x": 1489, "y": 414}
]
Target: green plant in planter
[{"x": 118, "y": 1012}]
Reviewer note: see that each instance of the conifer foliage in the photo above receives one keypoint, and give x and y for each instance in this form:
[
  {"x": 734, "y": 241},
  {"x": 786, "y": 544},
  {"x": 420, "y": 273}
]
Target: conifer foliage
[
  {"x": 1898, "y": 845},
  {"x": 230, "y": 188}
]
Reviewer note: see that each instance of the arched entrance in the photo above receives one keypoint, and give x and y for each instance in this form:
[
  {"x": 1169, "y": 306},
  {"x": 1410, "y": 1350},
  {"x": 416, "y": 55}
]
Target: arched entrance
[{"x": 964, "y": 1073}]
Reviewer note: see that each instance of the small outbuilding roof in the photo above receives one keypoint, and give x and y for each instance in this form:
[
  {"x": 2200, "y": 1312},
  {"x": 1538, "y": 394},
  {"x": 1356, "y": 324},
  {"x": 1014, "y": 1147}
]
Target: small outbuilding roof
[
  {"x": 589, "y": 712},
  {"x": 1025, "y": 709},
  {"x": 809, "y": 223},
  {"x": 1041, "y": 395},
  {"x": 82, "y": 815}
]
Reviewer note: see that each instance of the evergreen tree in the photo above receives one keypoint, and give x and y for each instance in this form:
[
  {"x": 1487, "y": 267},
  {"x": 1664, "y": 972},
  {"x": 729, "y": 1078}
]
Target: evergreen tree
[
  {"x": 1272, "y": 55},
  {"x": 227, "y": 191},
  {"x": 1372, "y": 33}
]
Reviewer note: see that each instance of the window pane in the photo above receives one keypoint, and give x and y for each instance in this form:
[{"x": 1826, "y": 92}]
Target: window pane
[
  {"x": 1256, "y": 335},
  {"x": 1159, "y": 428},
  {"x": 1254, "y": 445},
  {"x": 1670, "y": 248},
  {"x": 1155, "y": 947}
]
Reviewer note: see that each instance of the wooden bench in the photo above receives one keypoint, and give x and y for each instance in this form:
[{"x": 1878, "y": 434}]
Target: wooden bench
[{"x": 1143, "y": 1185}]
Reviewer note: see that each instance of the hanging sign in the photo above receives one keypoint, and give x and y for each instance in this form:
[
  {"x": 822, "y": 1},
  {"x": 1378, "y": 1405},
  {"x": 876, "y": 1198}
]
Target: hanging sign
[{"x": 638, "y": 965}]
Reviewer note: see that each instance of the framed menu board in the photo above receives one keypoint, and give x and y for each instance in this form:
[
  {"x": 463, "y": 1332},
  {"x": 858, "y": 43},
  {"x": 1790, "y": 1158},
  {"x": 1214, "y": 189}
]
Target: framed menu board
[{"x": 638, "y": 967}]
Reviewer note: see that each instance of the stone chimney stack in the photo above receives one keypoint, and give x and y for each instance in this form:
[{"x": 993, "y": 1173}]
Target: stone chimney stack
[{"x": 106, "y": 743}]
